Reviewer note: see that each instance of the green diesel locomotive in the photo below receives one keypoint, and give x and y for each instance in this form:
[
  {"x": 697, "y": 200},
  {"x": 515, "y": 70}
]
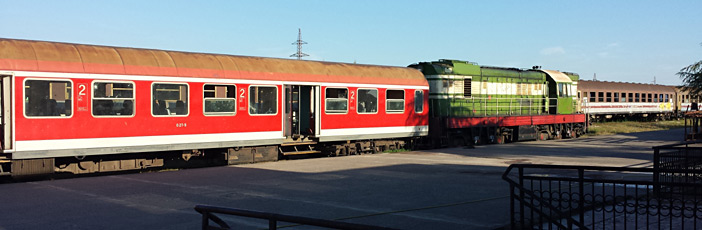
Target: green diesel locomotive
[{"x": 482, "y": 104}]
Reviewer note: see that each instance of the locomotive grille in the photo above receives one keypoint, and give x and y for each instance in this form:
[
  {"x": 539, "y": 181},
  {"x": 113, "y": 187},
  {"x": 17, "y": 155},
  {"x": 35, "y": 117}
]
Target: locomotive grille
[{"x": 466, "y": 87}]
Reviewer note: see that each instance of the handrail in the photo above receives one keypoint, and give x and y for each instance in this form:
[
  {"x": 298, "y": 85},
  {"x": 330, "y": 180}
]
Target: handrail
[
  {"x": 573, "y": 201},
  {"x": 273, "y": 219},
  {"x": 496, "y": 106},
  {"x": 594, "y": 168}
]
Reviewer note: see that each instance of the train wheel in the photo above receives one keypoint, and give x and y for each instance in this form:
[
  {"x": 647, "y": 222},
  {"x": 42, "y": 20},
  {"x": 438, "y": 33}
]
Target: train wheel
[
  {"x": 457, "y": 141},
  {"x": 543, "y": 136},
  {"x": 500, "y": 139},
  {"x": 344, "y": 151}
]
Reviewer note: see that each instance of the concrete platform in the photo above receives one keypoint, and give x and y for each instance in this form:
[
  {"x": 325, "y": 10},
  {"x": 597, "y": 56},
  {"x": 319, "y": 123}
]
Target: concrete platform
[{"x": 454, "y": 188}]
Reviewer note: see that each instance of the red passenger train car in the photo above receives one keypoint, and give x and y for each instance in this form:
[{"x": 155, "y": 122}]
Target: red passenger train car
[{"x": 85, "y": 108}]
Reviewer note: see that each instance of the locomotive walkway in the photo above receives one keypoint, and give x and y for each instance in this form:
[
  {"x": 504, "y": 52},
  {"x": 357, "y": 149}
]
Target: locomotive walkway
[{"x": 453, "y": 188}]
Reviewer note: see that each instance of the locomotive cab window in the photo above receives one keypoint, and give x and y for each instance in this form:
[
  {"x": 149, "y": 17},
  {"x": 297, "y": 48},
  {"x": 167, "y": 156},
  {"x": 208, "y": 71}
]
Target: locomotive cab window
[
  {"x": 47, "y": 98},
  {"x": 336, "y": 100},
  {"x": 367, "y": 101},
  {"x": 169, "y": 99},
  {"x": 219, "y": 99},
  {"x": 263, "y": 100},
  {"x": 395, "y": 101},
  {"x": 113, "y": 99},
  {"x": 418, "y": 101}
]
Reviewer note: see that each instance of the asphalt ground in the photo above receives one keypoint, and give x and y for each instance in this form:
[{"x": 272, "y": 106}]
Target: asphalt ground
[{"x": 451, "y": 188}]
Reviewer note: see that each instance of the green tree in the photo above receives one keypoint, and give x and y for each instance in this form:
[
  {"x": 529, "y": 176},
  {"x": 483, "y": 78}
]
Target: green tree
[{"x": 692, "y": 77}]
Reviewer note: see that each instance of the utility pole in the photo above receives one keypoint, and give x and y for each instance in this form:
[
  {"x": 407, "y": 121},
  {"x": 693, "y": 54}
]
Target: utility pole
[{"x": 299, "y": 44}]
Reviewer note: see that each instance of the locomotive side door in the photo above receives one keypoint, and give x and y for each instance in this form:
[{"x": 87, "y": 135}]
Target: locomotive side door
[
  {"x": 6, "y": 111},
  {"x": 300, "y": 112}
]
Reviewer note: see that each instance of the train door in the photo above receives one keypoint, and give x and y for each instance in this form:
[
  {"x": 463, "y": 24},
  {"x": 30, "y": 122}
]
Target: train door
[
  {"x": 300, "y": 112},
  {"x": 6, "y": 111}
]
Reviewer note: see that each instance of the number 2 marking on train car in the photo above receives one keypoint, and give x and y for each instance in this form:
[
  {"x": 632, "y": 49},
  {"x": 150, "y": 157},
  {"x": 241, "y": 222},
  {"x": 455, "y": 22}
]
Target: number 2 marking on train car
[
  {"x": 353, "y": 94},
  {"x": 81, "y": 89}
]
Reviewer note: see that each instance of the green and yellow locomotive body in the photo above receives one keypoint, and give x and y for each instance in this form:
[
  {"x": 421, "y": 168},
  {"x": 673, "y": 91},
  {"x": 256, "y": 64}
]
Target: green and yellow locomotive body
[{"x": 495, "y": 104}]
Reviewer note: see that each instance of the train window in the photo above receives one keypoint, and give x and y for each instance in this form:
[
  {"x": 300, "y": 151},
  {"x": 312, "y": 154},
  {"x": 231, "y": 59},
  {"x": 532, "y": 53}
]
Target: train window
[
  {"x": 47, "y": 98},
  {"x": 418, "y": 101},
  {"x": 561, "y": 90},
  {"x": 623, "y": 97},
  {"x": 113, "y": 99},
  {"x": 600, "y": 96},
  {"x": 609, "y": 97},
  {"x": 593, "y": 97},
  {"x": 667, "y": 96},
  {"x": 367, "y": 101},
  {"x": 631, "y": 97},
  {"x": 219, "y": 99},
  {"x": 616, "y": 97},
  {"x": 263, "y": 100},
  {"x": 336, "y": 100},
  {"x": 655, "y": 97},
  {"x": 395, "y": 101},
  {"x": 649, "y": 98},
  {"x": 636, "y": 97},
  {"x": 169, "y": 99},
  {"x": 467, "y": 87}
]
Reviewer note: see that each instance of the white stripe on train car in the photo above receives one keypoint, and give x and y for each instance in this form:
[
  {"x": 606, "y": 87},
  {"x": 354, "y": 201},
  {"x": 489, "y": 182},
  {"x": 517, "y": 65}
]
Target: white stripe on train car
[
  {"x": 616, "y": 107},
  {"x": 84, "y": 143},
  {"x": 372, "y": 133}
]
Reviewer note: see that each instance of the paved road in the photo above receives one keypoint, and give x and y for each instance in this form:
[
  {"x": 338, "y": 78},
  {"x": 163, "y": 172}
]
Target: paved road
[{"x": 454, "y": 188}]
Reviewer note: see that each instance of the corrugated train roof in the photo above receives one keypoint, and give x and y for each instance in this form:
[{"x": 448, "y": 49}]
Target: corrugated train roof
[{"x": 43, "y": 56}]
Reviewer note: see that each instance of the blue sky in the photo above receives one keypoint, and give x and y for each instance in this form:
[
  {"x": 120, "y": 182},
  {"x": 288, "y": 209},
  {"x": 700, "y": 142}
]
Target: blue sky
[{"x": 630, "y": 41}]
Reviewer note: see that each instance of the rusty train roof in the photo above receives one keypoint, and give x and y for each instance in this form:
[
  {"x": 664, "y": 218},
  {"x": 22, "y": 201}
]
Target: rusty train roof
[
  {"x": 43, "y": 56},
  {"x": 601, "y": 86}
]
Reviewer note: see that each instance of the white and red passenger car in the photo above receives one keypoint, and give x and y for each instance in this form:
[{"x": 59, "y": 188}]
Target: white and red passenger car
[
  {"x": 607, "y": 100},
  {"x": 74, "y": 104}
]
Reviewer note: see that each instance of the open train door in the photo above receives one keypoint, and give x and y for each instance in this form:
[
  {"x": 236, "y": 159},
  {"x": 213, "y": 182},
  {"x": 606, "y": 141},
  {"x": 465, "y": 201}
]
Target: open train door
[
  {"x": 6, "y": 111},
  {"x": 301, "y": 121},
  {"x": 5, "y": 123}
]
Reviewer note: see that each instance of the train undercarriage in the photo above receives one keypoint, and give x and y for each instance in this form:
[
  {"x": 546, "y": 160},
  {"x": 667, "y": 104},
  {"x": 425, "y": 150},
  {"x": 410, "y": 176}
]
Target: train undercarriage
[
  {"x": 601, "y": 117},
  {"x": 23, "y": 168},
  {"x": 477, "y": 135}
]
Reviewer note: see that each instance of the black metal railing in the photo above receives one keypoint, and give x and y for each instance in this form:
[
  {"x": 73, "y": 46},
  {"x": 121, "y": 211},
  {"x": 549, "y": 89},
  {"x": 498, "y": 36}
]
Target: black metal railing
[
  {"x": 209, "y": 215},
  {"x": 686, "y": 155},
  {"x": 590, "y": 197}
]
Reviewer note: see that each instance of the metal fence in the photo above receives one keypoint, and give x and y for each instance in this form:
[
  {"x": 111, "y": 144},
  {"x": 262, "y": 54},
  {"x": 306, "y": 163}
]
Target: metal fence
[
  {"x": 682, "y": 156},
  {"x": 209, "y": 216},
  {"x": 588, "y": 197}
]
